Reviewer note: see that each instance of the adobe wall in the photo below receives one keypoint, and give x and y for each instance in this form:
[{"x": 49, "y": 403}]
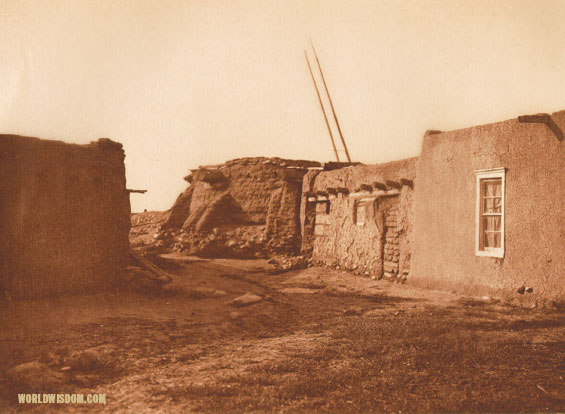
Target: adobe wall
[
  {"x": 243, "y": 208},
  {"x": 64, "y": 215},
  {"x": 382, "y": 245},
  {"x": 444, "y": 248}
]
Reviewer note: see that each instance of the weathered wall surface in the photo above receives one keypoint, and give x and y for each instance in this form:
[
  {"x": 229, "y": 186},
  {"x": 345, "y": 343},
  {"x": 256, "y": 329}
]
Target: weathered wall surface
[
  {"x": 308, "y": 213},
  {"x": 64, "y": 215},
  {"x": 240, "y": 208},
  {"x": 282, "y": 229},
  {"x": 382, "y": 245},
  {"x": 444, "y": 249}
]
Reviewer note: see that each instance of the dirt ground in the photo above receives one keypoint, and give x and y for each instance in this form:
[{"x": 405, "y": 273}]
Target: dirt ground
[{"x": 319, "y": 340}]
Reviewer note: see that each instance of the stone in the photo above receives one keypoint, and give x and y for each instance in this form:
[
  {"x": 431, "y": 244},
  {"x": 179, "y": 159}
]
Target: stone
[
  {"x": 90, "y": 358},
  {"x": 35, "y": 376},
  {"x": 83, "y": 360},
  {"x": 246, "y": 300},
  {"x": 202, "y": 291},
  {"x": 49, "y": 358},
  {"x": 353, "y": 310},
  {"x": 234, "y": 315}
]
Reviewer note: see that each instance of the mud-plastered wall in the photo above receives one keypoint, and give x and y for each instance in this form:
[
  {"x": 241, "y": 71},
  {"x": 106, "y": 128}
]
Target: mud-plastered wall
[
  {"x": 64, "y": 215},
  {"x": 240, "y": 208},
  {"x": 532, "y": 155},
  {"x": 352, "y": 223}
]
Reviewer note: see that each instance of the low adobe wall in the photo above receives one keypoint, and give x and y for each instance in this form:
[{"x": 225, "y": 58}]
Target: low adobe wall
[
  {"x": 379, "y": 244},
  {"x": 533, "y": 155},
  {"x": 64, "y": 215}
]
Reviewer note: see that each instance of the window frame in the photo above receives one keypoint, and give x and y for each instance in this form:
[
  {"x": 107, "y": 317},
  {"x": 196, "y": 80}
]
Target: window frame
[
  {"x": 480, "y": 175},
  {"x": 356, "y": 206},
  {"x": 319, "y": 225}
]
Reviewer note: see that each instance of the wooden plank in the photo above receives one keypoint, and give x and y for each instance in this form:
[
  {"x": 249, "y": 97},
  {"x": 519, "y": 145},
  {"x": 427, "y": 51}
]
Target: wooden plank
[
  {"x": 407, "y": 182},
  {"x": 150, "y": 266},
  {"x": 379, "y": 186},
  {"x": 393, "y": 184},
  {"x": 541, "y": 118}
]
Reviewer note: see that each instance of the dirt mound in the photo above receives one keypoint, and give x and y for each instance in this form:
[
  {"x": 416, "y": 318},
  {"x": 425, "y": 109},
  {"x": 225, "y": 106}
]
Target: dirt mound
[
  {"x": 146, "y": 228},
  {"x": 245, "y": 208}
]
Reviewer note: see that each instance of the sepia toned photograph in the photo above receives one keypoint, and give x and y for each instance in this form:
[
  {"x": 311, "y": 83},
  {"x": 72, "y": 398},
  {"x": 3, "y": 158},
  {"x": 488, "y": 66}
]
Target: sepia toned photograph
[{"x": 282, "y": 206}]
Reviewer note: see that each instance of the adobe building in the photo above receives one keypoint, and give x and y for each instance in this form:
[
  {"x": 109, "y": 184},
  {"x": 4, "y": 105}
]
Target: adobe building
[
  {"x": 360, "y": 218},
  {"x": 480, "y": 211},
  {"x": 245, "y": 207},
  {"x": 488, "y": 209},
  {"x": 64, "y": 215}
]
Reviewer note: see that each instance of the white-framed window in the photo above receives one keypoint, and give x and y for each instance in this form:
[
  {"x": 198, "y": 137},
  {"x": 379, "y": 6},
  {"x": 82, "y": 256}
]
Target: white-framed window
[{"x": 490, "y": 212}]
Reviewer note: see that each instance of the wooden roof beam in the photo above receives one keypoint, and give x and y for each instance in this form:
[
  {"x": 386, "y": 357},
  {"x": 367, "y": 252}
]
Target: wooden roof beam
[
  {"x": 407, "y": 182},
  {"x": 393, "y": 184}
]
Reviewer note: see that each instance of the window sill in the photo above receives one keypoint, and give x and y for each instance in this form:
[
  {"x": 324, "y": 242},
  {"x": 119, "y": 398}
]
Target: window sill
[{"x": 499, "y": 253}]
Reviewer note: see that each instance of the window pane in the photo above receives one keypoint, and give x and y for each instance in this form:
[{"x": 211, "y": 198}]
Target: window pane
[
  {"x": 492, "y": 239},
  {"x": 491, "y": 223},
  {"x": 497, "y": 205},
  {"x": 498, "y": 188},
  {"x": 497, "y": 238},
  {"x": 489, "y": 239},
  {"x": 488, "y": 205},
  {"x": 493, "y": 188},
  {"x": 492, "y": 205},
  {"x": 322, "y": 208}
]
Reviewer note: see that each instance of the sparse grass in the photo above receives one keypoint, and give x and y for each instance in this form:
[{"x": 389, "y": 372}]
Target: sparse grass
[
  {"x": 410, "y": 355},
  {"x": 413, "y": 363}
]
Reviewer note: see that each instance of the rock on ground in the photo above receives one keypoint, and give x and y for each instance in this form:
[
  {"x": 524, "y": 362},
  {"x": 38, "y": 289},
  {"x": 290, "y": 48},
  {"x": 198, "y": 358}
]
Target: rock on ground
[
  {"x": 245, "y": 300},
  {"x": 35, "y": 375}
]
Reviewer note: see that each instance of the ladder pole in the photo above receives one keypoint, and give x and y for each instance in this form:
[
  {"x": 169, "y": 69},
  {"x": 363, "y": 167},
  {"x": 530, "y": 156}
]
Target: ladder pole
[
  {"x": 331, "y": 103},
  {"x": 322, "y": 106}
]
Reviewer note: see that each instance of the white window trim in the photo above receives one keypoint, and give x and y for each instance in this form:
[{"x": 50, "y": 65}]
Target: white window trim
[{"x": 481, "y": 175}]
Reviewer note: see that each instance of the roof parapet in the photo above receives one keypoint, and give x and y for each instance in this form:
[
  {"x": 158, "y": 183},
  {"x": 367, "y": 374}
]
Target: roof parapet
[{"x": 543, "y": 119}]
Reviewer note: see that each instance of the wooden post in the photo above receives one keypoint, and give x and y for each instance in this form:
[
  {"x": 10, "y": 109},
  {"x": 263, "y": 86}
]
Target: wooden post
[
  {"x": 379, "y": 186},
  {"x": 322, "y": 106},
  {"x": 393, "y": 184},
  {"x": 331, "y": 103}
]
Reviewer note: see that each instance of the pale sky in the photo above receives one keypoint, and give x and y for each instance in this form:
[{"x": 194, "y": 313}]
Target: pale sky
[{"x": 187, "y": 83}]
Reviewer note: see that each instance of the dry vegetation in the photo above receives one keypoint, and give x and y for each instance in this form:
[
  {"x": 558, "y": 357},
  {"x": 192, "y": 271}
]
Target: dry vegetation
[
  {"x": 319, "y": 341},
  {"x": 423, "y": 362}
]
